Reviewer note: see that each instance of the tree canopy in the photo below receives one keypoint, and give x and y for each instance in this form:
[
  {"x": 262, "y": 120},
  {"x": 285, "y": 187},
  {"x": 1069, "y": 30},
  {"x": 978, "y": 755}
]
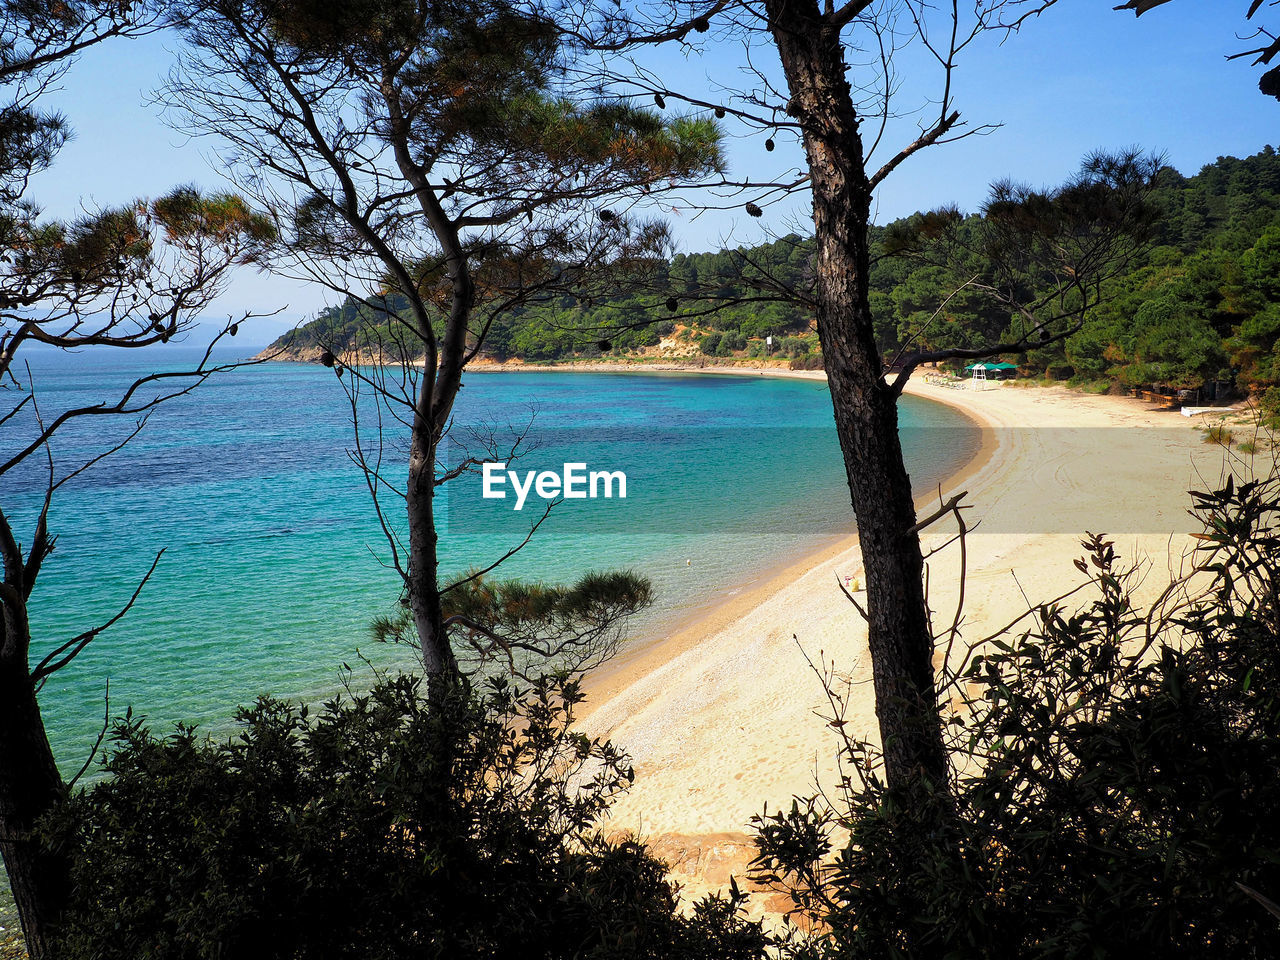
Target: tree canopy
[{"x": 1212, "y": 267}]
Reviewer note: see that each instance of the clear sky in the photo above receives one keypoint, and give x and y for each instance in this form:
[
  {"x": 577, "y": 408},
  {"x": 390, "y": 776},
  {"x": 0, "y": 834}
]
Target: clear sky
[{"x": 1080, "y": 77}]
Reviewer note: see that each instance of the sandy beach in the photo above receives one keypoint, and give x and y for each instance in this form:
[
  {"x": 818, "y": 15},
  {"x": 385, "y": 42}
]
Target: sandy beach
[{"x": 722, "y": 717}]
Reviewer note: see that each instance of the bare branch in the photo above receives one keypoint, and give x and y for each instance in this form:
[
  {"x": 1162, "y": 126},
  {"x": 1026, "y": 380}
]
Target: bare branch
[
  {"x": 476, "y": 574},
  {"x": 97, "y": 745},
  {"x": 927, "y": 140},
  {"x": 62, "y": 655}
]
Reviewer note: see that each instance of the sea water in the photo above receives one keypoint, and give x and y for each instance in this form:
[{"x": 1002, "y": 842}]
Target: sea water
[{"x": 274, "y": 562}]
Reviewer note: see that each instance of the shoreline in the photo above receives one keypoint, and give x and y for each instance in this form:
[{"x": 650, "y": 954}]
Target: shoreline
[
  {"x": 724, "y": 715},
  {"x": 649, "y": 652},
  {"x": 645, "y": 654},
  {"x": 656, "y": 366}
]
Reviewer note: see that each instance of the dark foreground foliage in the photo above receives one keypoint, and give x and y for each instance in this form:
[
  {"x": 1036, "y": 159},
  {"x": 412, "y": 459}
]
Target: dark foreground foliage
[
  {"x": 377, "y": 829},
  {"x": 1117, "y": 776}
]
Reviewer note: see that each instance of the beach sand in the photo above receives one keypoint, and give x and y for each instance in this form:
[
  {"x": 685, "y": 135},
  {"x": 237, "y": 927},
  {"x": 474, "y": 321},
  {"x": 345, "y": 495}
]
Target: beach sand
[{"x": 724, "y": 717}]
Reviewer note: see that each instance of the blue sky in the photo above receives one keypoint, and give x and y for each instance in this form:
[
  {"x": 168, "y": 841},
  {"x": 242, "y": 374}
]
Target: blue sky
[{"x": 1078, "y": 78}]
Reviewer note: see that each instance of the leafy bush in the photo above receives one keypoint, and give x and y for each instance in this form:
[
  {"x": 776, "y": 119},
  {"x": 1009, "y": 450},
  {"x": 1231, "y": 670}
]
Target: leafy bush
[
  {"x": 718, "y": 344},
  {"x": 378, "y": 829},
  {"x": 793, "y": 346},
  {"x": 1116, "y": 775},
  {"x": 1270, "y": 403}
]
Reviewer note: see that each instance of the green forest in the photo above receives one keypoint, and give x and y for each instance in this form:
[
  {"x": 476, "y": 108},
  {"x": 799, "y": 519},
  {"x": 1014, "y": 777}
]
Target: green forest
[{"x": 1198, "y": 304}]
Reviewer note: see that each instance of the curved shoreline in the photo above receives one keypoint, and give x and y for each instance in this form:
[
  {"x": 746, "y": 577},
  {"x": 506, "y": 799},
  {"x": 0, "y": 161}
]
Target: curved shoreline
[
  {"x": 645, "y": 654},
  {"x": 725, "y": 716}
]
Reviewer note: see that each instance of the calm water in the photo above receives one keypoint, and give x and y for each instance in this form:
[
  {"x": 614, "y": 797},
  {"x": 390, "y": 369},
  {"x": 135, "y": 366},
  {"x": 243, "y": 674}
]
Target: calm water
[{"x": 274, "y": 563}]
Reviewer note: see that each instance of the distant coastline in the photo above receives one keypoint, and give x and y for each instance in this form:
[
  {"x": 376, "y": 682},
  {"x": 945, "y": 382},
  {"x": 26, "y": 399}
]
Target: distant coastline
[
  {"x": 731, "y": 366},
  {"x": 744, "y": 368},
  {"x": 640, "y": 364}
]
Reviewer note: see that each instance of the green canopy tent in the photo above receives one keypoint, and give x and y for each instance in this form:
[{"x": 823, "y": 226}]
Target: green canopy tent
[{"x": 1001, "y": 371}]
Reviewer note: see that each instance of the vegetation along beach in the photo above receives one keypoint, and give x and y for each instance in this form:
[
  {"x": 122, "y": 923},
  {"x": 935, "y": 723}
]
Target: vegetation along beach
[{"x": 685, "y": 479}]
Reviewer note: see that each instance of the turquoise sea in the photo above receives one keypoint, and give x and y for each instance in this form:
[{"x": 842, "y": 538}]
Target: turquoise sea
[{"x": 274, "y": 563}]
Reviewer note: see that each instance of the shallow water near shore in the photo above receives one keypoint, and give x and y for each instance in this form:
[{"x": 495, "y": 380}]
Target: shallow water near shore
[{"x": 274, "y": 563}]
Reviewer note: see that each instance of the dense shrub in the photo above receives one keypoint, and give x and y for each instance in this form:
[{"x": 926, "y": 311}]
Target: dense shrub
[
  {"x": 1270, "y": 404},
  {"x": 722, "y": 344},
  {"x": 793, "y": 346},
  {"x": 1117, "y": 774},
  {"x": 380, "y": 828}
]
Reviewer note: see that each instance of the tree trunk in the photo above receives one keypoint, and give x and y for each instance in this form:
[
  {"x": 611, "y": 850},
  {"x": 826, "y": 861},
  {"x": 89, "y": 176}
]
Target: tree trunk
[
  {"x": 441, "y": 380},
  {"x": 866, "y": 411},
  {"x": 424, "y": 565},
  {"x": 30, "y": 787}
]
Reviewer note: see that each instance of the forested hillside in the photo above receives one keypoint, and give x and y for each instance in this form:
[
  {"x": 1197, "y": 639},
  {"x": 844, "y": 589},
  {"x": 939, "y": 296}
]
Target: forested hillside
[{"x": 1202, "y": 303}]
